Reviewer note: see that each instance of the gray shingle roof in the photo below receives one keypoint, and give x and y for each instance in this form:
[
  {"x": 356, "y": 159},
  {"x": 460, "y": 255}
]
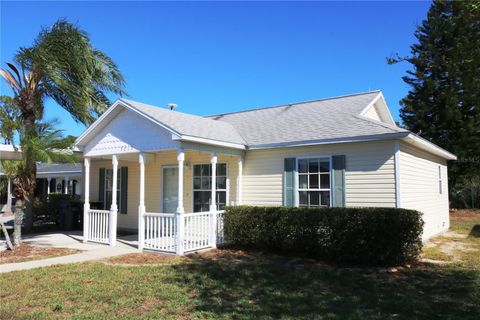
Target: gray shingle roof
[
  {"x": 326, "y": 119},
  {"x": 189, "y": 124},
  {"x": 59, "y": 167},
  {"x": 330, "y": 119}
]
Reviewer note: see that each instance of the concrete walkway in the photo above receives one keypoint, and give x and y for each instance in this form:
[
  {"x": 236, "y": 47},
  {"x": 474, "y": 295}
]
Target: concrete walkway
[{"x": 73, "y": 240}]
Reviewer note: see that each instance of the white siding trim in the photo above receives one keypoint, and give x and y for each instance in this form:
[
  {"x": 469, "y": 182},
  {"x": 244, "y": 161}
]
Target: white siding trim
[{"x": 397, "y": 175}]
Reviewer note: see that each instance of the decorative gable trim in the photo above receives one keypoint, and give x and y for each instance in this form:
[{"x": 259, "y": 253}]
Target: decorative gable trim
[{"x": 382, "y": 109}]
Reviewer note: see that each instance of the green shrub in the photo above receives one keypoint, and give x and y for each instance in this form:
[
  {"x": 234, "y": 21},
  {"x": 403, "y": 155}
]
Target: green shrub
[
  {"x": 48, "y": 210},
  {"x": 369, "y": 236}
]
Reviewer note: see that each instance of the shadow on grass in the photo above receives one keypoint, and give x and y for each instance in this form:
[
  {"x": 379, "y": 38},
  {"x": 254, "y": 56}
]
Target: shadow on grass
[
  {"x": 272, "y": 290},
  {"x": 475, "y": 232}
]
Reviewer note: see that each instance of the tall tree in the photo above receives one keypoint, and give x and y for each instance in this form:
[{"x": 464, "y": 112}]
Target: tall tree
[
  {"x": 62, "y": 64},
  {"x": 443, "y": 103},
  {"x": 9, "y": 117}
]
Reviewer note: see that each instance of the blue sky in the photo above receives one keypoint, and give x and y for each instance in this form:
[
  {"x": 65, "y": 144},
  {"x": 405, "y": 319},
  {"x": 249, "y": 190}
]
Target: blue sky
[{"x": 214, "y": 57}]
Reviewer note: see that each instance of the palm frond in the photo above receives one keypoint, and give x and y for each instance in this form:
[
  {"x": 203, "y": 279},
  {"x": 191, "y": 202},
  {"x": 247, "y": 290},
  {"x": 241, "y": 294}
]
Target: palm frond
[
  {"x": 72, "y": 71},
  {"x": 12, "y": 82}
]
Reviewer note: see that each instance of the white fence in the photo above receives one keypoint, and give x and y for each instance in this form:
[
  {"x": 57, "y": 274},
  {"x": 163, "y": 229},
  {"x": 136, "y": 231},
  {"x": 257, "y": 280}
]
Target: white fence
[
  {"x": 99, "y": 226},
  {"x": 197, "y": 227},
  {"x": 160, "y": 231},
  {"x": 201, "y": 230}
]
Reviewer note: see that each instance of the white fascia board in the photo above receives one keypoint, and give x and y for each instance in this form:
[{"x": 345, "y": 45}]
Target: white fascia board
[
  {"x": 429, "y": 146},
  {"x": 386, "y": 111},
  {"x": 119, "y": 103},
  {"x": 389, "y": 136},
  {"x": 371, "y": 104},
  {"x": 209, "y": 141}
]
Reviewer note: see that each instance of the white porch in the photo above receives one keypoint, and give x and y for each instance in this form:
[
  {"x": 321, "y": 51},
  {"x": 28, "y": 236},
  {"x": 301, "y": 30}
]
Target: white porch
[
  {"x": 176, "y": 231},
  {"x": 155, "y": 171}
]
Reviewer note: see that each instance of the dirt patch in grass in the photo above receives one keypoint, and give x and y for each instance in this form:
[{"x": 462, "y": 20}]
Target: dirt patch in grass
[
  {"x": 140, "y": 259},
  {"x": 465, "y": 213},
  {"x": 27, "y": 252},
  {"x": 447, "y": 248}
]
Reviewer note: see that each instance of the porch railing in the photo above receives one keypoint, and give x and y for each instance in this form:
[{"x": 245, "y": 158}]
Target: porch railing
[
  {"x": 99, "y": 226},
  {"x": 197, "y": 231},
  {"x": 160, "y": 231}
]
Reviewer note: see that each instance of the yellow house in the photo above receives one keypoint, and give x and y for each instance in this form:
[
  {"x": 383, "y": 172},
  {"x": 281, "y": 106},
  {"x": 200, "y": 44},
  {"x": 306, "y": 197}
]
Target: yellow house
[{"x": 152, "y": 169}]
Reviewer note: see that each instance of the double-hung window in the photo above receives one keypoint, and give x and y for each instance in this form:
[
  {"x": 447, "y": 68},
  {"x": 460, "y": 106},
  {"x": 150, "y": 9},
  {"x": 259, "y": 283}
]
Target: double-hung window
[
  {"x": 202, "y": 186},
  {"x": 314, "y": 183},
  {"x": 109, "y": 187}
]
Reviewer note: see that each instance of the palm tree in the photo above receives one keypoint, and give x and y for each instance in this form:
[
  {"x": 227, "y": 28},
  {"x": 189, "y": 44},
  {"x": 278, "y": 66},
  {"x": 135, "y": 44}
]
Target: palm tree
[{"x": 62, "y": 64}]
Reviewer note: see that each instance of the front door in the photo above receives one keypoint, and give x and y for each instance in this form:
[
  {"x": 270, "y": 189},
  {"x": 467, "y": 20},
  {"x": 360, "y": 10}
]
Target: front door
[{"x": 170, "y": 189}]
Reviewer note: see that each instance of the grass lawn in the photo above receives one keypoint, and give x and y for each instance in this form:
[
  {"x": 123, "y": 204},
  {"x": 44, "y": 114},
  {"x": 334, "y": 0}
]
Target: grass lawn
[{"x": 230, "y": 284}]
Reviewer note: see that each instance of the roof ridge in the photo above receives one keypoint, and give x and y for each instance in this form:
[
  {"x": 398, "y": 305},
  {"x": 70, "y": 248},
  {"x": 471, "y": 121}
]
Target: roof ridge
[{"x": 294, "y": 103}]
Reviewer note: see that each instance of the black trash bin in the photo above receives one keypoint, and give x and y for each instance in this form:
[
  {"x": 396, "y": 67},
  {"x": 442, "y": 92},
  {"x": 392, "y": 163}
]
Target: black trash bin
[{"x": 65, "y": 215}]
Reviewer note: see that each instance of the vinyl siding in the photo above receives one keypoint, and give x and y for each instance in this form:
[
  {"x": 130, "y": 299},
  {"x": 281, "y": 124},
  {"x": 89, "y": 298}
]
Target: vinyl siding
[
  {"x": 372, "y": 113},
  {"x": 153, "y": 182},
  {"x": 369, "y": 175},
  {"x": 419, "y": 188}
]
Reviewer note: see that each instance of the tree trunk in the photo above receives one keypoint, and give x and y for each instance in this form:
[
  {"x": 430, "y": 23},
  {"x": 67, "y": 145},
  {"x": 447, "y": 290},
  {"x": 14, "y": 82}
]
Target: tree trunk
[{"x": 17, "y": 235}]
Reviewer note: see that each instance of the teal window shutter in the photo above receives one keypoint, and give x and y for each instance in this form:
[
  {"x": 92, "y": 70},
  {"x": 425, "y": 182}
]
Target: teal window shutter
[
  {"x": 101, "y": 188},
  {"x": 338, "y": 179},
  {"x": 123, "y": 189},
  {"x": 289, "y": 182}
]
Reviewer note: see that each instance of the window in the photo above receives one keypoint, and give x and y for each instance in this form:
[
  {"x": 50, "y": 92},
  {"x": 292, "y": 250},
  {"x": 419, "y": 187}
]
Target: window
[
  {"x": 202, "y": 186},
  {"x": 109, "y": 186},
  {"x": 439, "y": 179},
  {"x": 314, "y": 182}
]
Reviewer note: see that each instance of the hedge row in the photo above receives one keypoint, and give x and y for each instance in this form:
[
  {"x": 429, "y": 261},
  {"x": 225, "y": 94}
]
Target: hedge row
[{"x": 368, "y": 236}]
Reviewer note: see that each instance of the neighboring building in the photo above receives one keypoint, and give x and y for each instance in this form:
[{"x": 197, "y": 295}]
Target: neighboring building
[
  {"x": 342, "y": 151},
  {"x": 51, "y": 178},
  {"x": 63, "y": 178}
]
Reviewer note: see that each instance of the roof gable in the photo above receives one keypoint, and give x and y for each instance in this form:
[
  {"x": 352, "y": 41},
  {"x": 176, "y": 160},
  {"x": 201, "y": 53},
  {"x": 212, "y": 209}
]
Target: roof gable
[
  {"x": 128, "y": 132},
  {"x": 181, "y": 126}
]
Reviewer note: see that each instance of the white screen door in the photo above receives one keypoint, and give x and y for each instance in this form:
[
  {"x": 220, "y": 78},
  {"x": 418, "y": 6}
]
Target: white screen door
[{"x": 170, "y": 189}]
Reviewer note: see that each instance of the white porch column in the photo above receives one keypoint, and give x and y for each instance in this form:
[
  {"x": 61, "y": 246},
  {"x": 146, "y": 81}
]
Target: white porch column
[
  {"x": 114, "y": 207},
  {"x": 213, "y": 202},
  {"x": 180, "y": 209},
  {"x": 9, "y": 195},
  {"x": 239, "y": 181},
  {"x": 141, "y": 205},
  {"x": 86, "y": 206},
  {"x": 66, "y": 185},
  {"x": 49, "y": 179}
]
